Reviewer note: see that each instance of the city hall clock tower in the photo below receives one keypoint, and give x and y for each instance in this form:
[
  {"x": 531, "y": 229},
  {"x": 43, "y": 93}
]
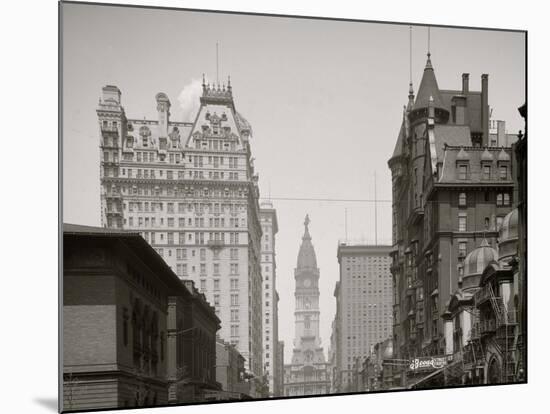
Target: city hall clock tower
[{"x": 307, "y": 374}]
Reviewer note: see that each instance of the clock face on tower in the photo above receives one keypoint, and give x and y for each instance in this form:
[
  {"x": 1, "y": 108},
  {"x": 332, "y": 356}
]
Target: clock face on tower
[{"x": 307, "y": 282}]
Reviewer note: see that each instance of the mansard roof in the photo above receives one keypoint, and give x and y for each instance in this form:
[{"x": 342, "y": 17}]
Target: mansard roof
[{"x": 475, "y": 172}]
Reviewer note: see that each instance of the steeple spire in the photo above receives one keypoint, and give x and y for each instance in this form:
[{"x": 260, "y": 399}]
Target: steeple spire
[
  {"x": 428, "y": 86},
  {"x": 411, "y": 90},
  {"x": 306, "y": 255}
]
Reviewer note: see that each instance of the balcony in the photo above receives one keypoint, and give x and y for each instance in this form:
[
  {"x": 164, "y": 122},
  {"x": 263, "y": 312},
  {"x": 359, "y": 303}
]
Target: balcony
[
  {"x": 215, "y": 244},
  {"x": 487, "y": 326},
  {"x": 109, "y": 129},
  {"x": 475, "y": 332},
  {"x": 483, "y": 295}
]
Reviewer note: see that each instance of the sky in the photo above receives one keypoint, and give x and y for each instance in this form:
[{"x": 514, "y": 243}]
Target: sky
[{"x": 324, "y": 99}]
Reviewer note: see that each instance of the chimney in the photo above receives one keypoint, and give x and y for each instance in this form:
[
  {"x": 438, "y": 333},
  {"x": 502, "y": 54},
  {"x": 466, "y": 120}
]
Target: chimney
[
  {"x": 163, "y": 108},
  {"x": 501, "y": 134},
  {"x": 465, "y": 83},
  {"x": 485, "y": 109},
  {"x": 460, "y": 115}
]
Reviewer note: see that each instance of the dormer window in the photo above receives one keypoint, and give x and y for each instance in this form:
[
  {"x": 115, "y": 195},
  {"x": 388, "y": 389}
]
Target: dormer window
[
  {"x": 462, "y": 171},
  {"x": 503, "y": 170},
  {"x": 486, "y": 172}
]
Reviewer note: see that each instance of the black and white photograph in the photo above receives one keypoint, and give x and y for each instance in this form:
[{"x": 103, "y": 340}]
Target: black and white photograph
[{"x": 262, "y": 207}]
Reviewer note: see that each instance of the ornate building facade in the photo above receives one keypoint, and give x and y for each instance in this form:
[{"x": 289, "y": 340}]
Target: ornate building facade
[
  {"x": 308, "y": 372},
  {"x": 452, "y": 187},
  {"x": 191, "y": 190},
  {"x": 268, "y": 218}
]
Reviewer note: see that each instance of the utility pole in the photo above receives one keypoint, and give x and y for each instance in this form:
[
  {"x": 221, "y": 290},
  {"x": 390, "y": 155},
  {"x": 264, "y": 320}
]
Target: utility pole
[{"x": 375, "y": 213}]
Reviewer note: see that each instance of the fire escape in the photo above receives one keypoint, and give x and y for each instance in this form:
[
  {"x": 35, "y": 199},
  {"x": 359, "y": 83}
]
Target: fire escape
[{"x": 504, "y": 327}]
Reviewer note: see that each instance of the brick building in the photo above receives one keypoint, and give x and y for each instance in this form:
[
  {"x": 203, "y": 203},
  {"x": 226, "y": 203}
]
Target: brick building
[
  {"x": 116, "y": 295},
  {"x": 191, "y": 337},
  {"x": 231, "y": 372},
  {"x": 452, "y": 186}
]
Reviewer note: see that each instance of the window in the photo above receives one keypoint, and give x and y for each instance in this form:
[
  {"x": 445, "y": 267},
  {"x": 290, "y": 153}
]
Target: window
[
  {"x": 503, "y": 172},
  {"x": 499, "y": 222},
  {"x": 125, "y": 327},
  {"x": 506, "y": 200},
  {"x": 462, "y": 221},
  {"x": 462, "y": 199},
  {"x": 462, "y": 172},
  {"x": 499, "y": 200},
  {"x": 216, "y": 284},
  {"x": 486, "y": 172},
  {"x": 462, "y": 249},
  {"x": 234, "y": 299}
]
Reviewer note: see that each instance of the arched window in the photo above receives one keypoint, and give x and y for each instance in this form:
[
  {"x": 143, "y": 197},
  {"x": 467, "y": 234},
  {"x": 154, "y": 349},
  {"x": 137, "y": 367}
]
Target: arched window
[{"x": 494, "y": 374}]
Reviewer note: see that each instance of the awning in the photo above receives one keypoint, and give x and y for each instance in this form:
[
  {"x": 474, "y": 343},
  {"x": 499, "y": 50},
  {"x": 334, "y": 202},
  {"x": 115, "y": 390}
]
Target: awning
[{"x": 427, "y": 377}]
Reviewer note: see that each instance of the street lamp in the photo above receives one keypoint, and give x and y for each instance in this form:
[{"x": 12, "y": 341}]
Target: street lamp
[{"x": 182, "y": 331}]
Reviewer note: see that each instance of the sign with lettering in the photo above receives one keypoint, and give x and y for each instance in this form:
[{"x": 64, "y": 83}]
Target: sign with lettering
[{"x": 427, "y": 363}]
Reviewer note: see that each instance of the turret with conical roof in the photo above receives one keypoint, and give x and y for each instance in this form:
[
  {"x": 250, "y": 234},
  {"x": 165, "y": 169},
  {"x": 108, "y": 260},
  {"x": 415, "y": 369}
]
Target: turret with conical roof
[{"x": 429, "y": 91}]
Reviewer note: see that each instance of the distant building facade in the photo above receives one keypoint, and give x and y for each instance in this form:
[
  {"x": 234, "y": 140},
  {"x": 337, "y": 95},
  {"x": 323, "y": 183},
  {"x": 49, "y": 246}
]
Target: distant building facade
[
  {"x": 231, "y": 372},
  {"x": 307, "y": 372},
  {"x": 270, "y": 297},
  {"x": 117, "y": 293},
  {"x": 280, "y": 370},
  {"x": 191, "y": 346},
  {"x": 364, "y": 308},
  {"x": 452, "y": 187},
  {"x": 192, "y": 192}
]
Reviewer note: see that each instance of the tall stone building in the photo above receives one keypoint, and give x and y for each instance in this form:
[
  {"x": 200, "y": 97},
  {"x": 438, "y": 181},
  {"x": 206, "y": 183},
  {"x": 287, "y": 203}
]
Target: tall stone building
[
  {"x": 452, "y": 186},
  {"x": 307, "y": 374},
  {"x": 280, "y": 370},
  {"x": 364, "y": 308},
  {"x": 191, "y": 190},
  {"x": 268, "y": 218}
]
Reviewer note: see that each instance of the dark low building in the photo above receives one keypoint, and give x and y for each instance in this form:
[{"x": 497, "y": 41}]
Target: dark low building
[
  {"x": 116, "y": 291},
  {"x": 192, "y": 326},
  {"x": 231, "y": 372}
]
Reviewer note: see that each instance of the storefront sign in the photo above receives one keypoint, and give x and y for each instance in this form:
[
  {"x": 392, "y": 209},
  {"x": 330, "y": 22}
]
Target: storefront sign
[{"x": 427, "y": 363}]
